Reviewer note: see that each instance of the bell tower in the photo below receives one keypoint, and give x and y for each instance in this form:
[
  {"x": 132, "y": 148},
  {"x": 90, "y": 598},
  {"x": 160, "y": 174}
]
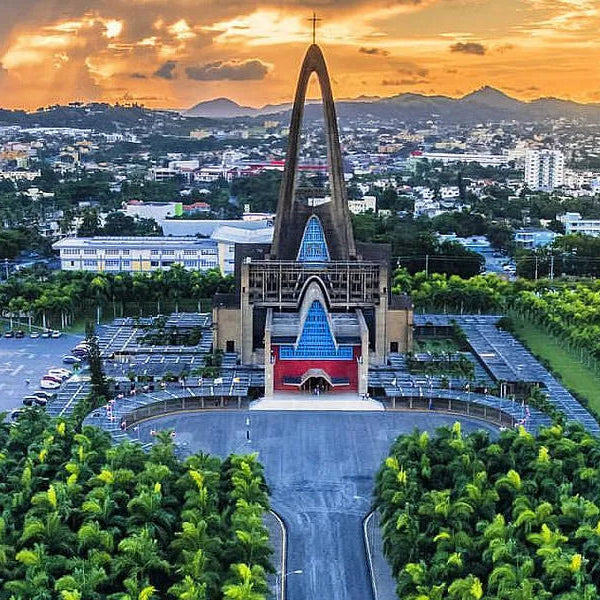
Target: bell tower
[{"x": 292, "y": 215}]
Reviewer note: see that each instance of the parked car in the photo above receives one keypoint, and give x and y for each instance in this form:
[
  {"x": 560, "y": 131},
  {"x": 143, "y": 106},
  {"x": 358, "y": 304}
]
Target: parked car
[
  {"x": 9, "y": 334},
  {"x": 20, "y": 334},
  {"x": 47, "y": 384},
  {"x": 46, "y": 334},
  {"x": 30, "y": 400},
  {"x": 40, "y": 401},
  {"x": 60, "y": 373},
  {"x": 56, "y": 334},
  {"x": 44, "y": 394},
  {"x": 34, "y": 335},
  {"x": 16, "y": 413},
  {"x": 71, "y": 360},
  {"x": 53, "y": 378}
]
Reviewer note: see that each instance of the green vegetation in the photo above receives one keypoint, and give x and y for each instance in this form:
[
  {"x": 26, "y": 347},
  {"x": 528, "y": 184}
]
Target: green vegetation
[
  {"x": 517, "y": 518},
  {"x": 83, "y": 520},
  {"x": 582, "y": 380},
  {"x": 65, "y": 296}
]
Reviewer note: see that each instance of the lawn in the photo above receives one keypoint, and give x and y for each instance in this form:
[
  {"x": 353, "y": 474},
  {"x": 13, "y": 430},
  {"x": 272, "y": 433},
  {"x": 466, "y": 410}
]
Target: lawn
[{"x": 577, "y": 377}]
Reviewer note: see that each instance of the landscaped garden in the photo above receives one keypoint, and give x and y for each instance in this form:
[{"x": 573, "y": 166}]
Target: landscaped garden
[
  {"x": 81, "y": 519},
  {"x": 474, "y": 518}
]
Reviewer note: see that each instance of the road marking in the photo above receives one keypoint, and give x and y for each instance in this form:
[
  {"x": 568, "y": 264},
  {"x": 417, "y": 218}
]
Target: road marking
[
  {"x": 283, "y": 551},
  {"x": 17, "y": 370},
  {"x": 369, "y": 556}
]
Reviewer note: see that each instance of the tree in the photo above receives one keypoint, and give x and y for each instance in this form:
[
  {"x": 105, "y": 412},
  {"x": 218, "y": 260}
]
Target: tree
[{"x": 90, "y": 224}]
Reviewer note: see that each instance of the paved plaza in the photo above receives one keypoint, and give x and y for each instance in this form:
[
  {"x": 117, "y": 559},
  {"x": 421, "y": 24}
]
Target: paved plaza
[{"x": 320, "y": 468}]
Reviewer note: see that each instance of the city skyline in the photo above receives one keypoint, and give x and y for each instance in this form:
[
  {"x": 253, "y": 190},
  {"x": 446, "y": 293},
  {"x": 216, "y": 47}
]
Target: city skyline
[{"x": 175, "y": 54}]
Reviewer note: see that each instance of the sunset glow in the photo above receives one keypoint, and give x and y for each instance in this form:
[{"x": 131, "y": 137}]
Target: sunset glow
[{"x": 177, "y": 53}]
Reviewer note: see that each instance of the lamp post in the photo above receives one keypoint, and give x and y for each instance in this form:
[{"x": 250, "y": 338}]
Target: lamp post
[{"x": 280, "y": 578}]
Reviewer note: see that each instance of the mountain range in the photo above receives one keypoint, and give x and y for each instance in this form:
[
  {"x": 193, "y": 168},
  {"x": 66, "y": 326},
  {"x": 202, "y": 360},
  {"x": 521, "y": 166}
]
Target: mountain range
[{"x": 483, "y": 105}]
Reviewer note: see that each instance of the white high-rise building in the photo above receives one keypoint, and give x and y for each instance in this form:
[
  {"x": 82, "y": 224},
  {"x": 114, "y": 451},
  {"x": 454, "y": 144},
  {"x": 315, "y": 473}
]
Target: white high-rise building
[{"x": 544, "y": 169}]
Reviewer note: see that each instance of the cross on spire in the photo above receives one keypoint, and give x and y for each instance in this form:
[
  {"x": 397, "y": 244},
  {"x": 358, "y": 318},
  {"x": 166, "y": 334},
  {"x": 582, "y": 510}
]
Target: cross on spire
[{"x": 314, "y": 20}]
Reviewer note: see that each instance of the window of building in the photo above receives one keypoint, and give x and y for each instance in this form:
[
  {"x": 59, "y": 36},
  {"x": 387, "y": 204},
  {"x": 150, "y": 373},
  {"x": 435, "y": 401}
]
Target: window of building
[
  {"x": 169, "y": 252},
  {"x": 72, "y": 263},
  {"x": 154, "y": 263},
  {"x": 112, "y": 252},
  {"x": 90, "y": 263},
  {"x": 126, "y": 263},
  {"x": 313, "y": 247},
  {"x": 155, "y": 252},
  {"x": 189, "y": 252},
  {"x": 189, "y": 263},
  {"x": 125, "y": 252},
  {"x": 111, "y": 262},
  {"x": 316, "y": 340},
  {"x": 167, "y": 263},
  {"x": 230, "y": 346},
  {"x": 89, "y": 251},
  {"x": 393, "y": 346}
]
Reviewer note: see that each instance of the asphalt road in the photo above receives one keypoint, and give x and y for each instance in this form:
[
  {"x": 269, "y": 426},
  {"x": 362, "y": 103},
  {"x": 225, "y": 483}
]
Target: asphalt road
[
  {"x": 22, "y": 359},
  {"x": 320, "y": 468}
]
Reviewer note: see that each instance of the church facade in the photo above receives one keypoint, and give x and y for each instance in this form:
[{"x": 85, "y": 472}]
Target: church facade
[{"x": 314, "y": 308}]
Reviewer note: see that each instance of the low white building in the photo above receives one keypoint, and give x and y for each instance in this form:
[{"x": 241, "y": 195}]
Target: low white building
[
  {"x": 575, "y": 224},
  {"x": 153, "y": 210},
  {"x": 136, "y": 254},
  {"x": 366, "y": 203}
]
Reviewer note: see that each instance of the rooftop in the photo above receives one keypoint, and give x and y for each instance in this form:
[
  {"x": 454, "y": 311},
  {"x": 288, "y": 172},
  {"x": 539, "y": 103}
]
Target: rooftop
[{"x": 132, "y": 241}]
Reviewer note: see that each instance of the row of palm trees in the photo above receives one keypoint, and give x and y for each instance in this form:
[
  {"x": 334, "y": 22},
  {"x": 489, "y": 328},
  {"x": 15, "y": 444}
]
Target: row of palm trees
[
  {"x": 81, "y": 519},
  {"x": 474, "y": 518},
  {"x": 62, "y": 297}
]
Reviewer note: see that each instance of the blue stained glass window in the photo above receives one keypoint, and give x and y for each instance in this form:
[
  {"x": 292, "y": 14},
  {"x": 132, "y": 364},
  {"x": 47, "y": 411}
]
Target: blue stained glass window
[
  {"x": 316, "y": 340},
  {"x": 313, "y": 247}
]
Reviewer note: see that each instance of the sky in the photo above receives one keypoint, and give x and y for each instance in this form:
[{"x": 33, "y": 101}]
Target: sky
[{"x": 175, "y": 53}]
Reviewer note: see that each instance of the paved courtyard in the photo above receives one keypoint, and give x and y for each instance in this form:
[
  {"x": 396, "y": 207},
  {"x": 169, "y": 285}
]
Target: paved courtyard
[
  {"x": 320, "y": 468},
  {"x": 22, "y": 359}
]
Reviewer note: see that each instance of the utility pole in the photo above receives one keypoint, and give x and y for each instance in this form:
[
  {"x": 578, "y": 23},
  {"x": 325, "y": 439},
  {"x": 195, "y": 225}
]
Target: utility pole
[
  {"x": 552, "y": 267},
  {"x": 427, "y": 265},
  {"x": 6, "y": 266},
  {"x": 536, "y": 267}
]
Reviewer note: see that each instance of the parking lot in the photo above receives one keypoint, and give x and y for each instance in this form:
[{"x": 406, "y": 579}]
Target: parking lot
[{"x": 23, "y": 359}]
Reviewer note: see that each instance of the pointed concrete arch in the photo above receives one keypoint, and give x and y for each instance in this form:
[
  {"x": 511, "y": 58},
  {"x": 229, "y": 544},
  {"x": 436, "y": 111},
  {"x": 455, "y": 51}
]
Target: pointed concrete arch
[{"x": 335, "y": 215}]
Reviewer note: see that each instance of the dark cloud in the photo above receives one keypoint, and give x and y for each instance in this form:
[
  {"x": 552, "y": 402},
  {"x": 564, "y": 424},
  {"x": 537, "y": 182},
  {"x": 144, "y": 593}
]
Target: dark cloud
[
  {"x": 232, "y": 70},
  {"x": 505, "y": 48},
  {"x": 531, "y": 88},
  {"x": 138, "y": 76},
  {"x": 411, "y": 69},
  {"x": 373, "y": 51},
  {"x": 399, "y": 82},
  {"x": 167, "y": 71},
  {"x": 469, "y": 48}
]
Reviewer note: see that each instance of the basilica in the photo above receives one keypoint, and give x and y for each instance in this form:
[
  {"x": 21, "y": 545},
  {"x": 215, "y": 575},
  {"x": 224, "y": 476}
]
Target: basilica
[{"x": 314, "y": 308}]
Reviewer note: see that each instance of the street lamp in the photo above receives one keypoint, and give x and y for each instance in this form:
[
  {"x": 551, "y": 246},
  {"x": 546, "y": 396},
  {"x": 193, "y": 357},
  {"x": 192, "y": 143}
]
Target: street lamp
[{"x": 281, "y": 576}]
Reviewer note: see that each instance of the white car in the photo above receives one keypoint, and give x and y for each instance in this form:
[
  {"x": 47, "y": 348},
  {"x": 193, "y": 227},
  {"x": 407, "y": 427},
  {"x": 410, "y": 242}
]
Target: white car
[
  {"x": 56, "y": 334},
  {"x": 47, "y": 384},
  {"x": 59, "y": 372}
]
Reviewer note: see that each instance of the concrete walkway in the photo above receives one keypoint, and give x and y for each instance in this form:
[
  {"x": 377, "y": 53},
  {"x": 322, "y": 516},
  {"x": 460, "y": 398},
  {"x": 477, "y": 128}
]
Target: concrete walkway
[{"x": 298, "y": 401}]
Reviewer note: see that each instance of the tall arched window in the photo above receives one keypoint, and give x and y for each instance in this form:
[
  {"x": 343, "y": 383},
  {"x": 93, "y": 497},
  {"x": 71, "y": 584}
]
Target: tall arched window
[{"x": 314, "y": 246}]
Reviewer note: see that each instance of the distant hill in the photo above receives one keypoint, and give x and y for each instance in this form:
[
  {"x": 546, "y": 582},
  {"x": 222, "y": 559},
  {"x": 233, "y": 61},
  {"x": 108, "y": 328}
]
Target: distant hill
[
  {"x": 220, "y": 108},
  {"x": 485, "y": 104}
]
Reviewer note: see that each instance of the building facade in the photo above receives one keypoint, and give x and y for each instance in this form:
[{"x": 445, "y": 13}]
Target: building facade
[
  {"x": 136, "y": 254},
  {"x": 313, "y": 307},
  {"x": 544, "y": 169}
]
